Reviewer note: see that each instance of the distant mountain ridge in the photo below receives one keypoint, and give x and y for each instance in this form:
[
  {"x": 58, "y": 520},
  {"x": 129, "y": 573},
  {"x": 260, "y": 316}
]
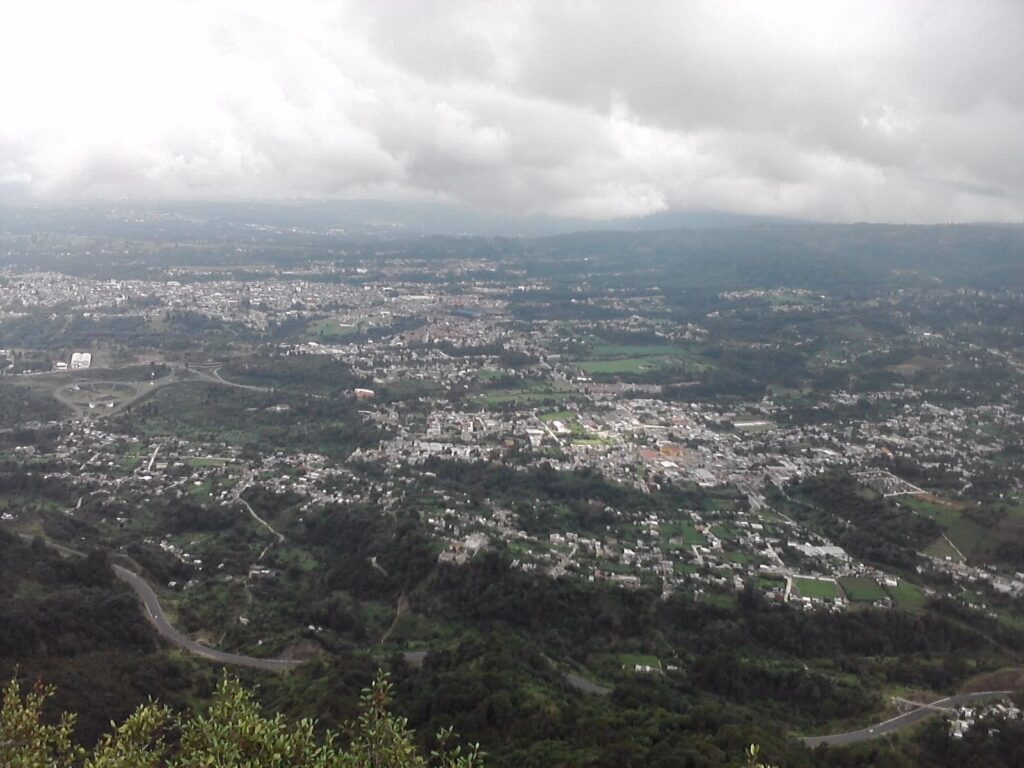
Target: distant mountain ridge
[{"x": 365, "y": 218}]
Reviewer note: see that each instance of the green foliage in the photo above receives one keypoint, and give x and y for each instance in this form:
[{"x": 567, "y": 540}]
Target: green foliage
[
  {"x": 870, "y": 528},
  {"x": 752, "y": 755},
  {"x": 231, "y": 733},
  {"x": 25, "y": 741},
  {"x": 282, "y": 419},
  {"x": 19, "y": 404}
]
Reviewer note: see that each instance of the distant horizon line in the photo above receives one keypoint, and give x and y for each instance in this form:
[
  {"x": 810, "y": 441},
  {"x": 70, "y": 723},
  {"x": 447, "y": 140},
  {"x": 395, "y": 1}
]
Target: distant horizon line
[{"x": 715, "y": 218}]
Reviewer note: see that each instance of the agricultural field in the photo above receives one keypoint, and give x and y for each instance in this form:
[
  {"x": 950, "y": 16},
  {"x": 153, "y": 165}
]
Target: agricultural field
[
  {"x": 736, "y": 556},
  {"x": 907, "y": 595},
  {"x": 612, "y": 359},
  {"x": 329, "y": 328},
  {"x": 684, "y": 532},
  {"x": 966, "y": 535},
  {"x": 612, "y": 567},
  {"x": 817, "y": 588},
  {"x": 944, "y": 513},
  {"x": 539, "y": 393},
  {"x": 862, "y": 589},
  {"x": 943, "y": 550},
  {"x": 489, "y": 374},
  {"x": 625, "y": 365}
]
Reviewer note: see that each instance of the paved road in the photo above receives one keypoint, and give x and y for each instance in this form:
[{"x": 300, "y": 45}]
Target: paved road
[
  {"x": 239, "y": 489},
  {"x": 178, "y": 374},
  {"x": 172, "y": 635},
  {"x": 155, "y": 614},
  {"x": 903, "y": 721}
]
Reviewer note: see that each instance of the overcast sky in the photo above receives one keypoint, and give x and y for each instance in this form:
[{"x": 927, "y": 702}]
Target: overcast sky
[{"x": 881, "y": 111}]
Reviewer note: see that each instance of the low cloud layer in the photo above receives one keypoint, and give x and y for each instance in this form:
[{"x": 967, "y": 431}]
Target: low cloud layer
[{"x": 882, "y": 111}]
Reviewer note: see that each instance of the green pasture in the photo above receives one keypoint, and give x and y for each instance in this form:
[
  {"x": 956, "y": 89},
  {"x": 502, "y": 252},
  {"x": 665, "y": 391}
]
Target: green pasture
[
  {"x": 816, "y": 588},
  {"x": 862, "y": 589}
]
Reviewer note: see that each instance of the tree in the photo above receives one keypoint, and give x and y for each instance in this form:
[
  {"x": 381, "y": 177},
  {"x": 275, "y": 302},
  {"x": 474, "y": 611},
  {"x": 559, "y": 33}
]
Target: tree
[
  {"x": 25, "y": 742},
  {"x": 753, "y": 752},
  {"x": 231, "y": 733}
]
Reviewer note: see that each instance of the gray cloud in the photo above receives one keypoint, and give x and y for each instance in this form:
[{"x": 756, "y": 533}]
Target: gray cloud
[{"x": 868, "y": 110}]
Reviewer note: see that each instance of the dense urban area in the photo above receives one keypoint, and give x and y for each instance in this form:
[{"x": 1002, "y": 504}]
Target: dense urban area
[{"x": 598, "y": 499}]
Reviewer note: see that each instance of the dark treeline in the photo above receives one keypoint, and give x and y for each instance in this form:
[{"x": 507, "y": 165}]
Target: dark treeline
[
  {"x": 744, "y": 666},
  {"x": 869, "y": 528},
  {"x": 69, "y": 622}
]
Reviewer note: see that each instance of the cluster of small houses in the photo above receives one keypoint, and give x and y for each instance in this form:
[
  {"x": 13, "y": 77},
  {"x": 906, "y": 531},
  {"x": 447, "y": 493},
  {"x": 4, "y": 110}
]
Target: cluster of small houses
[{"x": 966, "y": 718}]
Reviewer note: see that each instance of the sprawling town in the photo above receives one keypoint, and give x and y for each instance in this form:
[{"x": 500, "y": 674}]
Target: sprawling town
[
  {"x": 216, "y": 429},
  {"x": 553, "y": 411}
]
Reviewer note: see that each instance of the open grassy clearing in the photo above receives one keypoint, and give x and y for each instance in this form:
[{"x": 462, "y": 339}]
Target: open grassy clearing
[
  {"x": 720, "y": 599},
  {"x": 907, "y": 595},
  {"x": 971, "y": 538},
  {"x": 862, "y": 589},
  {"x": 538, "y": 393},
  {"x": 736, "y": 556},
  {"x": 944, "y": 514},
  {"x": 725, "y": 531},
  {"x": 624, "y": 364},
  {"x": 943, "y": 550},
  {"x": 610, "y": 359},
  {"x": 721, "y": 499},
  {"x": 967, "y": 535},
  {"x": 682, "y": 530},
  {"x": 611, "y": 567},
  {"x": 817, "y": 588},
  {"x": 329, "y": 328}
]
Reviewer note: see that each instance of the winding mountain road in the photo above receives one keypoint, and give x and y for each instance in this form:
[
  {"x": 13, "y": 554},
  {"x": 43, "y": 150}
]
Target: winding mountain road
[
  {"x": 905, "y": 720},
  {"x": 155, "y": 614},
  {"x": 170, "y": 633}
]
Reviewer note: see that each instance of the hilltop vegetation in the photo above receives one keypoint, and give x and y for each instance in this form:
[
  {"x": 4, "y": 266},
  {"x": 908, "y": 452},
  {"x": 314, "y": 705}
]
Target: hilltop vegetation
[{"x": 231, "y": 733}]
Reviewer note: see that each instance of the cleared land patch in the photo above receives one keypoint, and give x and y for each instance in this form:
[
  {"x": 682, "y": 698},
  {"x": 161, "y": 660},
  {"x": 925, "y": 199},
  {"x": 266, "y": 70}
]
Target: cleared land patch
[
  {"x": 862, "y": 589},
  {"x": 329, "y": 328},
  {"x": 611, "y": 359},
  {"x": 942, "y": 549},
  {"x": 907, "y": 595},
  {"x": 680, "y": 534},
  {"x": 818, "y": 589}
]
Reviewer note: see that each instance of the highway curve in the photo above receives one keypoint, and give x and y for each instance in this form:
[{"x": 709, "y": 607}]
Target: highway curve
[
  {"x": 900, "y": 722},
  {"x": 173, "y": 636}
]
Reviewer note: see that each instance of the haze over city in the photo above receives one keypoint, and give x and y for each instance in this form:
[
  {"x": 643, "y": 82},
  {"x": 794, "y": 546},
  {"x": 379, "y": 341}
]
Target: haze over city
[{"x": 545, "y": 384}]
